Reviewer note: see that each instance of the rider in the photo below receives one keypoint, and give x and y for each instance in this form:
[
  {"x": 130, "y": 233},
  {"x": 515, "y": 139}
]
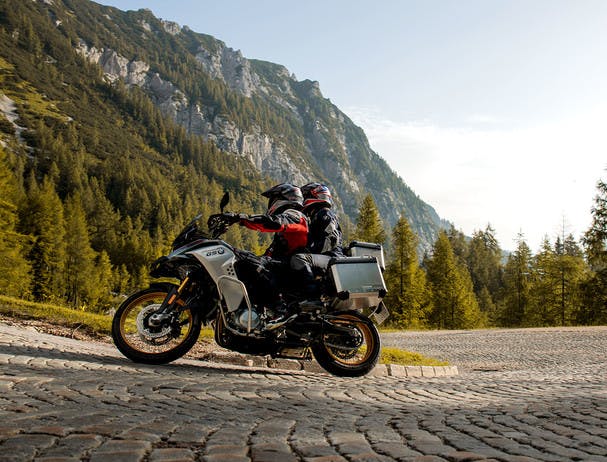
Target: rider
[
  {"x": 324, "y": 238},
  {"x": 284, "y": 218}
]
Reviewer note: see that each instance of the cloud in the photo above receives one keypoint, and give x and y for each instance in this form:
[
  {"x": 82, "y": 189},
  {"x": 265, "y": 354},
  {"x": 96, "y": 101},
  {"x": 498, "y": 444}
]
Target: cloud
[
  {"x": 517, "y": 179},
  {"x": 482, "y": 119}
]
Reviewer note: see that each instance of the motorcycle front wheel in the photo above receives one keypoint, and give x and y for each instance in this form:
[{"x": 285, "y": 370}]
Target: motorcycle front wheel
[
  {"x": 350, "y": 353},
  {"x": 141, "y": 341}
]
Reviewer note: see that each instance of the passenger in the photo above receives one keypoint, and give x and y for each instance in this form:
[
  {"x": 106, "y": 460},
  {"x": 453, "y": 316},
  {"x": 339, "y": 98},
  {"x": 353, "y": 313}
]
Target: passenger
[{"x": 324, "y": 237}]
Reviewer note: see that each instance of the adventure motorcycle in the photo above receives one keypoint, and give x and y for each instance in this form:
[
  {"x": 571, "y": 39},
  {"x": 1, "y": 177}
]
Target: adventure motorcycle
[{"x": 254, "y": 306}]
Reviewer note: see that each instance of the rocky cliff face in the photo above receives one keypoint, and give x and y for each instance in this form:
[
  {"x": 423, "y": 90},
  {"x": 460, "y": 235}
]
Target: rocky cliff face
[
  {"x": 330, "y": 147},
  {"x": 266, "y": 154}
]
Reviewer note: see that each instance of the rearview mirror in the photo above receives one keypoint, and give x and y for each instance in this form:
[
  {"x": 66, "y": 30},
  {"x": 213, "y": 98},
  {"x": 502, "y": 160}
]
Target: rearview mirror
[{"x": 224, "y": 201}]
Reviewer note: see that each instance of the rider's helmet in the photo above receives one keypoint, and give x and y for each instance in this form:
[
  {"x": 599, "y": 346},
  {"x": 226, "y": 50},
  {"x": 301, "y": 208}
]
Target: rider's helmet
[
  {"x": 283, "y": 196},
  {"x": 316, "y": 194}
]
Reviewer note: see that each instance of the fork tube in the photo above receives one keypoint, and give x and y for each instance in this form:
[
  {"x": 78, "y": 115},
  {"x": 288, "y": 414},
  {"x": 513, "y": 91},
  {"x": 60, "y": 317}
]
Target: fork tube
[{"x": 178, "y": 291}]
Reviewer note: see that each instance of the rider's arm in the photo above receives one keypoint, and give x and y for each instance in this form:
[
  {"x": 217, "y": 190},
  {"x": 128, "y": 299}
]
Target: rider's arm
[
  {"x": 276, "y": 223},
  {"x": 263, "y": 223}
]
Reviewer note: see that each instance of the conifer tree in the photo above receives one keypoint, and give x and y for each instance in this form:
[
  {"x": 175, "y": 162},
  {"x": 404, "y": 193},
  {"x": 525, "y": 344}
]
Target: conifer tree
[
  {"x": 544, "y": 281},
  {"x": 14, "y": 269},
  {"x": 516, "y": 291},
  {"x": 103, "y": 221},
  {"x": 458, "y": 244},
  {"x": 80, "y": 272},
  {"x": 454, "y": 305},
  {"x": 369, "y": 227},
  {"x": 595, "y": 243},
  {"x": 484, "y": 263},
  {"x": 43, "y": 217},
  {"x": 100, "y": 296},
  {"x": 408, "y": 298},
  {"x": 572, "y": 272}
]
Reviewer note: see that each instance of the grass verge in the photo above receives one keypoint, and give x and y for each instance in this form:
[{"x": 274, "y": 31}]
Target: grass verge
[
  {"x": 390, "y": 355},
  {"x": 99, "y": 324},
  {"x": 54, "y": 314}
]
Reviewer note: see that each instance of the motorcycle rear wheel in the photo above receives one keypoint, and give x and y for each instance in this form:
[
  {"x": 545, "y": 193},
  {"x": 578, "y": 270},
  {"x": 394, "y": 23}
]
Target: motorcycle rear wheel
[
  {"x": 141, "y": 342},
  {"x": 344, "y": 360}
]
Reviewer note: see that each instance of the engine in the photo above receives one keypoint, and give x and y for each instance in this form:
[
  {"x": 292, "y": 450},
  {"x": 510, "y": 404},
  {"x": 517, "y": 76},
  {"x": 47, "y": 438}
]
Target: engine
[{"x": 241, "y": 318}]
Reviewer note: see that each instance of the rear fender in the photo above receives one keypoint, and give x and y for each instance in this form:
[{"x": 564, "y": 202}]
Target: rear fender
[{"x": 329, "y": 326}]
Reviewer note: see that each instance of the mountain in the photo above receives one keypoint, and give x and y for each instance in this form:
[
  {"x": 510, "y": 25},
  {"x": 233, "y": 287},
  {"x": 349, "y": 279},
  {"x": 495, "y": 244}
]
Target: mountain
[{"x": 256, "y": 113}]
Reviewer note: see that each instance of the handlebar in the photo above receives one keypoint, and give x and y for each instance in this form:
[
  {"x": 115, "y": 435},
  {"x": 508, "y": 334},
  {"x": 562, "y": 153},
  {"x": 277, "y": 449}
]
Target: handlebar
[{"x": 220, "y": 222}]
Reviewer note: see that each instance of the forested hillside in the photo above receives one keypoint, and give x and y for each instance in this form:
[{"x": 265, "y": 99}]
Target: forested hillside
[
  {"x": 133, "y": 125},
  {"x": 116, "y": 128},
  {"x": 96, "y": 181},
  {"x": 256, "y": 110}
]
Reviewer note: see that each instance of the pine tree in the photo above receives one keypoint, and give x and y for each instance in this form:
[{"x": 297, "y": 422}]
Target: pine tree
[
  {"x": 100, "y": 296},
  {"x": 544, "y": 282},
  {"x": 103, "y": 221},
  {"x": 484, "y": 263},
  {"x": 80, "y": 272},
  {"x": 458, "y": 244},
  {"x": 595, "y": 243},
  {"x": 516, "y": 291},
  {"x": 15, "y": 279},
  {"x": 408, "y": 298},
  {"x": 369, "y": 226},
  {"x": 43, "y": 217},
  {"x": 572, "y": 272},
  {"x": 454, "y": 303},
  {"x": 595, "y": 239}
]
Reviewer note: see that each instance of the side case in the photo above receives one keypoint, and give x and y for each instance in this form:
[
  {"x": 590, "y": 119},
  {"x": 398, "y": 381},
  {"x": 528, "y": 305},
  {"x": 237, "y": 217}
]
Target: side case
[
  {"x": 358, "y": 282},
  {"x": 367, "y": 249}
]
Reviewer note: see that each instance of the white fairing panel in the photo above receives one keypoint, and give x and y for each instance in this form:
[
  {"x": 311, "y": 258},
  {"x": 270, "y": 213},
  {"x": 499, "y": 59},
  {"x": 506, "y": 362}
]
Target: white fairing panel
[{"x": 218, "y": 260}]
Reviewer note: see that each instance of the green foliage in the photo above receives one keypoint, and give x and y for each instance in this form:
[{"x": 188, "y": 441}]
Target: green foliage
[
  {"x": 517, "y": 285},
  {"x": 56, "y": 314},
  {"x": 453, "y": 300},
  {"x": 595, "y": 239},
  {"x": 14, "y": 268},
  {"x": 87, "y": 274},
  {"x": 95, "y": 181},
  {"x": 408, "y": 297},
  {"x": 43, "y": 217},
  {"x": 105, "y": 194},
  {"x": 483, "y": 259},
  {"x": 369, "y": 227},
  {"x": 594, "y": 289},
  {"x": 391, "y": 355}
]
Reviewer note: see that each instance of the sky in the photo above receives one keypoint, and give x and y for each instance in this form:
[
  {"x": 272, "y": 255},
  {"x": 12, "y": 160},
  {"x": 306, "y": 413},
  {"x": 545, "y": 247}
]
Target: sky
[{"x": 493, "y": 112}]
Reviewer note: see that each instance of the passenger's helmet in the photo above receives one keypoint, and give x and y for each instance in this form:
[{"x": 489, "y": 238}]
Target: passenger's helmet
[
  {"x": 283, "y": 196},
  {"x": 316, "y": 193}
]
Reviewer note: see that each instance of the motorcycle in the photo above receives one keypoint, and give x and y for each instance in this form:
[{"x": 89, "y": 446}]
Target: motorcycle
[{"x": 237, "y": 293}]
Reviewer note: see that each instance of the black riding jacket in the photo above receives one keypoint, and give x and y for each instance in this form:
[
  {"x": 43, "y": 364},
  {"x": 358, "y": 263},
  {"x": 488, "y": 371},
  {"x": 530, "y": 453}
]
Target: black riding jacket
[
  {"x": 290, "y": 226},
  {"x": 325, "y": 236}
]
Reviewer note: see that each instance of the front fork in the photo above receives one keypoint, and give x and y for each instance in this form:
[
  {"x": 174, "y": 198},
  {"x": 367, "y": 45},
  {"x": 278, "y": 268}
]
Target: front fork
[{"x": 166, "y": 309}]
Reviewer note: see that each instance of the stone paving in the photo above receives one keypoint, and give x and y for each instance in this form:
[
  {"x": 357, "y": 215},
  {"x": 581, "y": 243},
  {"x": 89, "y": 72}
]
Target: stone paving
[{"x": 68, "y": 400}]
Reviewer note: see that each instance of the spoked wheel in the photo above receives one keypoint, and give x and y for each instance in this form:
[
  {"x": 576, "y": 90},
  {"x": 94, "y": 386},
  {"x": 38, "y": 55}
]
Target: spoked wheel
[
  {"x": 140, "y": 338},
  {"x": 349, "y": 352}
]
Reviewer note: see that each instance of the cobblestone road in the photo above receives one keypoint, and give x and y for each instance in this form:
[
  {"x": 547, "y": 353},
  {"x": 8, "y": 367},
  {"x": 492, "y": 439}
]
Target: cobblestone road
[{"x": 520, "y": 396}]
